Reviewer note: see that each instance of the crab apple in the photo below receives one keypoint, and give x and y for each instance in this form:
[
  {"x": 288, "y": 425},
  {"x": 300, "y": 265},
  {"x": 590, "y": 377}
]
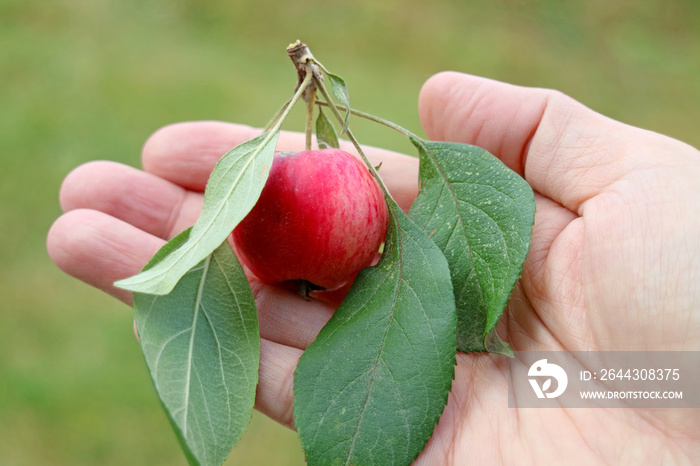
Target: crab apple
[{"x": 321, "y": 218}]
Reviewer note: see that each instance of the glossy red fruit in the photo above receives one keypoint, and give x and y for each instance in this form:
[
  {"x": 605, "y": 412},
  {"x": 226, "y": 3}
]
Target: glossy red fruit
[{"x": 321, "y": 217}]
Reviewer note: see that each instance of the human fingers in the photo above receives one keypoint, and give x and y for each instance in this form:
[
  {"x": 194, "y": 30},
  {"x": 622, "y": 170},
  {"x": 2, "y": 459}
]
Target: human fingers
[
  {"x": 186, "y": 153},
  {"x": 100, "y": 249},
  {"x": 163, "y": 208},
  {"x": 274, "y": 395},
  {"x": 146, "y": 201},
  {"x": 566, "y": 151}
]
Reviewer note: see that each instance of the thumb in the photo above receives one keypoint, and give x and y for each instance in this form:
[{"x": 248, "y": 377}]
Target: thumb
[
  {"x": 498, "y": 117},
  {"x": 566, "y": 151}
]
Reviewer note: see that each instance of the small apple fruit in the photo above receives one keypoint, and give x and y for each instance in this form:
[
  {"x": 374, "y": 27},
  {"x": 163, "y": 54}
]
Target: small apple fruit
[{"x": 321, "y": 218}]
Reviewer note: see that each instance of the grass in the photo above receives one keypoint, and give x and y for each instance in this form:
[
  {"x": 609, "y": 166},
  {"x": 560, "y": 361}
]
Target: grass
[{"x": 83, "y": 80}]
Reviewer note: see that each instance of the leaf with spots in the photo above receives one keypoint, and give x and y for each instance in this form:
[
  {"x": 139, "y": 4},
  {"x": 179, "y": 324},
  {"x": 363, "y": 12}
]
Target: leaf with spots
[
  {"x": 371, "y": 387},
  {"x": 480, "y": 214},
  {"x": 202, "y": 346}
]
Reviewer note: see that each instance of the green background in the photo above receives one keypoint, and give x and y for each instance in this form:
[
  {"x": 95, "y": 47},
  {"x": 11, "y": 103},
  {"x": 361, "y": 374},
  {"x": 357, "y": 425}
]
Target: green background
[{"x": 91, "y": 79}]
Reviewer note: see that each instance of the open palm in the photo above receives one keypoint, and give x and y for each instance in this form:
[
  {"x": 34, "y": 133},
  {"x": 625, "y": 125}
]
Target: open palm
[{"x": 614, "y": 262}]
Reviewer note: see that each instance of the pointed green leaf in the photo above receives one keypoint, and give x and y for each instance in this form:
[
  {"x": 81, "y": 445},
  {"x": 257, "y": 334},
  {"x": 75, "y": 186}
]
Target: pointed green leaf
[
  {"x": 232, "y": 191},
  {"x": 480, "y": 213},
  {"x": 325, "y": 133},
  {"x": 372, "y": 386},
  {"x": 494, "y": 344},
  {"x": 202, "y": 347},
  {"x": 340, "y": 91}
]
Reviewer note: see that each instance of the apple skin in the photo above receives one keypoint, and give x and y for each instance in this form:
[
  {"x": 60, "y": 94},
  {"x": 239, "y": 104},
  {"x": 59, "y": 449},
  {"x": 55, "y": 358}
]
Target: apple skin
[{"x": 321, "y": 217}]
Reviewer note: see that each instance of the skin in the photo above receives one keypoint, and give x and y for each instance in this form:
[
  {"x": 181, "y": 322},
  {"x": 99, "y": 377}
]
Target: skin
[
  {"x": 614, "y": 262},
  {"x": 321, "y": 217}
]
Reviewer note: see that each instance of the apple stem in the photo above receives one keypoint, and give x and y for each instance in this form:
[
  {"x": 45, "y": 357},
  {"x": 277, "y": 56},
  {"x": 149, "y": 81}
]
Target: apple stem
[
  {"x": 310, "y": 105},
  {"x": 306, "y": 66}
]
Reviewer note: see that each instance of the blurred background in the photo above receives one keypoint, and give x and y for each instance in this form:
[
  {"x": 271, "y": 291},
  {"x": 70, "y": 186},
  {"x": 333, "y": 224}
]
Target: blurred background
[{"x": 91, "y": 79}]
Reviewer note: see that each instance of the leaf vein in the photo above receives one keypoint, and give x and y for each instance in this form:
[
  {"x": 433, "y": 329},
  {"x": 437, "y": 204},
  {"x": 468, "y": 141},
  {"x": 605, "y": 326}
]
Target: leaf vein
[
  {"x": 221, "y": 364},
  {"x": 190, "y": 349},
  {"x": 400, "y": 264}
]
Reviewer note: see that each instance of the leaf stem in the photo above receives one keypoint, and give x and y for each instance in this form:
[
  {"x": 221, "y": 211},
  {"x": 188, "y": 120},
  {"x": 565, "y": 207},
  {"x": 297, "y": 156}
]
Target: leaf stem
[
  {"x": 277, "y": 116},
  {"x": 152, "y": 281},
  {"x": 293, "y": 101},
  {"x": 334, "y": 109},
  {"x": 375, "y": 119}
]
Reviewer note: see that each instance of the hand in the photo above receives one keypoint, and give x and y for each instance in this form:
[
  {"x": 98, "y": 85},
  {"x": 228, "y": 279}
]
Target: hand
[
  {"x": 614, "y": 262},
  {"x": 116, "y": 217}
]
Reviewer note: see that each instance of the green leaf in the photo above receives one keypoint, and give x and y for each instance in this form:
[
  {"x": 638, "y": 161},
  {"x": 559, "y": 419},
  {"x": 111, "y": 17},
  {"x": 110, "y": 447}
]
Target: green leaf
[
  {"x": 340, "y": 91},
  {"x": 372, "y": 386},
  {"x": 202, "y": 347},
  {"x": 480, "y": 213},
  {"x": 325, "y": 133},
  {"x": 232, "y": 191},
  {"x": 494, "y": 344}
]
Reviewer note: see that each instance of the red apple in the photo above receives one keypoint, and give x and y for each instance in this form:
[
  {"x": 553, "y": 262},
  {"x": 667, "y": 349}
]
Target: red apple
[{"x": 321, "y": 218}]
